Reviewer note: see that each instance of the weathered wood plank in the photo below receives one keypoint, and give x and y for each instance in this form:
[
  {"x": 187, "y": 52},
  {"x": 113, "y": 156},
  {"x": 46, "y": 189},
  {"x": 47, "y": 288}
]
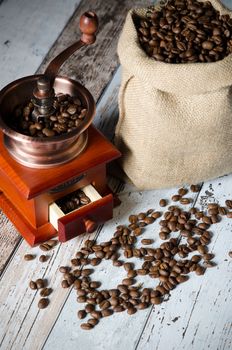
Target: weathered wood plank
[
  {"x": 121, "y": 331},
  {"x": 94, "y": 66},
  {"x": 199, "y": 314},
  {"x": 27, "y": 31},
  {"x": 107, "y": 108}
]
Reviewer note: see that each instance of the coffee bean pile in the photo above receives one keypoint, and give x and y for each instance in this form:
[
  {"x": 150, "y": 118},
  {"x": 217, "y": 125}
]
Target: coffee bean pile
[
  {"x": 40, "y": 283},
  {"x": 169, "y": 263},
  {"x": 186, "y": 31},
  {"x": 44, "y": 291},
  {"x": 73, "y": 201},
  {"x": 69, "y": 114}
]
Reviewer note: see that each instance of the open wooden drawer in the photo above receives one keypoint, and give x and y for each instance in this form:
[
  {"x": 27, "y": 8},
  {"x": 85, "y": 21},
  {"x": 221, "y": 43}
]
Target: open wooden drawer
[{"x": 83, "y": 219}]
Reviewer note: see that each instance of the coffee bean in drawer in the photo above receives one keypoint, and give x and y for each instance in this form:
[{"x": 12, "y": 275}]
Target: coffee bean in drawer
[{"x": 73, "y": 201}]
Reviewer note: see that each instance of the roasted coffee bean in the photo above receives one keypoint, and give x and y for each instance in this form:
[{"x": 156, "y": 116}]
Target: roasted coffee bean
[
  {"x": 81, "y": 314},
  {"x": 81, "y": 299},
  {"x": 149, "y": 220},
  {"x": 229, "y": 214},
  {"x": 176, "y": 198},
  {"x": 156, "y": 214},
  {"x": 222, "y": 211},
  {"x": 45, "y": 292},
  {"x": 43, "y": 258},
  {"x": 89, "y": 308},
  {"x": 185, "y": 201},
  {"x": 131, "y": 310},
  {"x": 128, "y": 266},
  {"x": 107, "y": 312},
  {"x": 208, "y": 264},
  {"x": 207, "y": 220},
  {"x": 95, "y": 261},
  {"x": 86, "y": 272},
  {"x": 43, "y": 303},
  {"x": 40, "y": 283},
  {"x": 213, "y": 211},
  {"x": 230, "y": 254},
  {"x": 104, "y": 305},
  {"x": 208, "y": 256},
  {"x": 29, "y": 257},
  {"x": 133, "y": 219},
  {"x": 128, "y": 281},
  {"x": 141, "y": 216},
  {"x": 163, "y": 235},
  {"x": 156, "y": 300},
  {"x": 194, "y": 188},
  {"x": 147, "y": 241},
  {"x": 86, "y": 326},
  {"x": 228, "y": 203},
  {"x": 65, "y": 284},
  {"x": 93, "y": 321},
  {"x": 200, "y": 270},
  {"x": 196, "y": 258},
  {"x": 51, "y": 243},
  {"x": 163, "y": 203},
  {"x": 182, "y": 278},
  {"x": 33, "y": 285},
  {"x": 182, "y": 191}
]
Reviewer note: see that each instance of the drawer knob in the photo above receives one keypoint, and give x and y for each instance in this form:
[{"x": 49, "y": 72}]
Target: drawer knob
[{"x": 90, "y": 225}]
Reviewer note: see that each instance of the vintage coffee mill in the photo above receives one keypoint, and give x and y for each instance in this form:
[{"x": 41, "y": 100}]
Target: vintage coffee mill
[{"x": 36, "y": 172}]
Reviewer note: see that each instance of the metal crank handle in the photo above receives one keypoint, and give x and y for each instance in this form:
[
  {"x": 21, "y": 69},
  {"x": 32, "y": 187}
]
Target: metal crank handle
[{"x": 88, "y": 26}]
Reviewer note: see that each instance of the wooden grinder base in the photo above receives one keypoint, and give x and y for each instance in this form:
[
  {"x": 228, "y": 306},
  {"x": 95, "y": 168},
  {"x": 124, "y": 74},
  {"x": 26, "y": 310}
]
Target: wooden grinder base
[{"x": 26, "y": 193}]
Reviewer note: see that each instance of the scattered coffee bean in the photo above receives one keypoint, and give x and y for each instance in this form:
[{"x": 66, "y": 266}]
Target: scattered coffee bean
[
  {"x": 93, "y": 321},
  {"x": 194, "y": 188},
  {"x": 230, "y": 254},
  {"x": 33, "y": 285},
  {"x": 228, "y": 203},
  {"x": 163, "y": 203},
  {"x": 81, "y": 314},
  {"x": 40, "y": 283},
  {"x": 176, "y": 198},
  {"x": 45, "y": 292},
  {"x": 86, "y": 326},
  {"x": 50, "y": 244},
  {"x": 147, "y": 241},
  {"x": 185, "y": 201},
  {"x": 43, "y": 303},
  {"x": 43, "y": 258},
  {"x": 29, "y": 257}
]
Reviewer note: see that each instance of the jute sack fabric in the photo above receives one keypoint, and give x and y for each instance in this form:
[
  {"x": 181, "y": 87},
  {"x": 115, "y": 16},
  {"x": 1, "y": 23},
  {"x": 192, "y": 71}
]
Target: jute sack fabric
[{"x": 175, "y": 122}]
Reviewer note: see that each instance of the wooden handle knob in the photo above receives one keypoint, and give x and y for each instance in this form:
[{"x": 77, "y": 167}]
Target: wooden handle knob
[
  {"x": 88, "y": 27},
  {"x": 90, "y": 225}
]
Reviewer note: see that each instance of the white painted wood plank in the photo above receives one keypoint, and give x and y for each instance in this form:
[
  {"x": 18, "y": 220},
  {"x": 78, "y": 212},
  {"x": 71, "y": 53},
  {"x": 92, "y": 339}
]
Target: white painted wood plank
[
  {"x": 27, "y": 31},
  {"x": 119, "y": 331},
  {"x": 203, "y": 305}
]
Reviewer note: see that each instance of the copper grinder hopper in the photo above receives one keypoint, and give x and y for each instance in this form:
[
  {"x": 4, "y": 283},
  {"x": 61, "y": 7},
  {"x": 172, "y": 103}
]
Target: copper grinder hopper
[{"x": 38, "y": 152}]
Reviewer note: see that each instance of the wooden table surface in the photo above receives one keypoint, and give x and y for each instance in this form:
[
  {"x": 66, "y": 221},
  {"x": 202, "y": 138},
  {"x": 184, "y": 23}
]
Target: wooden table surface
[{"x": 197, "y": 314}]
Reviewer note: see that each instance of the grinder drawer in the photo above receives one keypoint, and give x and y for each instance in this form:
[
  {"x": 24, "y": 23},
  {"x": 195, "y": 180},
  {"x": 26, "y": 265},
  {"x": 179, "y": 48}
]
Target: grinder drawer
[{"x": 83, "y": 219}]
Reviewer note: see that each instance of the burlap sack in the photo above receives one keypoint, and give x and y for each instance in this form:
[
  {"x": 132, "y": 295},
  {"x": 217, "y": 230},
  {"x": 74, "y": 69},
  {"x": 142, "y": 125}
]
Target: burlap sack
[{"x": 175, "y": 123}]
